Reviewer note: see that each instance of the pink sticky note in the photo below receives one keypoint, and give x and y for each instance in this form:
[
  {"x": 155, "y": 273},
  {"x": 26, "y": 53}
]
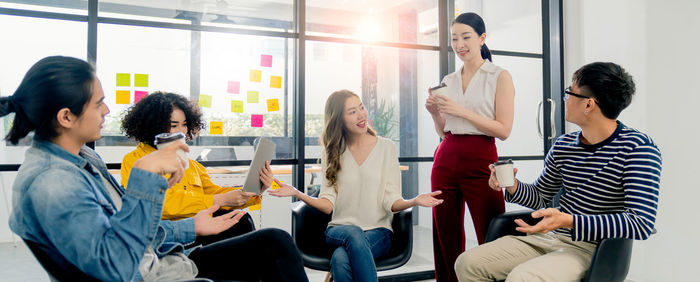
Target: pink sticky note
[
  {"x": 138, "y": 95},
  {"x": 234, "y": 87},
  {"x": 266, "y": 60},
  {"x": 256, "y": 120}
]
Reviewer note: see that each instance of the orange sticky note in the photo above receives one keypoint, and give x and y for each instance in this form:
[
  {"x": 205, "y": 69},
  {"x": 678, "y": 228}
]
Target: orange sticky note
[
  {"x": 273, "y": 105},
  {"x": 236, "y": 106},
  {"x": 255, "y": 75},
  {"x": 216, "y": 127},
  {"x": 275, "y": 81},
  {"x": 123, "y": 96}
]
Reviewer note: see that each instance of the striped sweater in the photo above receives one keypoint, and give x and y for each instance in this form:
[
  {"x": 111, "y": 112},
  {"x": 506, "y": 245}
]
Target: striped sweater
[{"x": 612, "y": 188}]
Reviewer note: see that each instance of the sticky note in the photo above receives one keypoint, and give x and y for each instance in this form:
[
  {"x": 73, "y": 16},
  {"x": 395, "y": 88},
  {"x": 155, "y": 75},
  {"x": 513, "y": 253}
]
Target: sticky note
[
  {"x": 275, "y": 81},
  {"x": 138, "y": 95},
  {"x": 140, "y": 80},
  {"x": 236, "y": 106},
  {"x": 123, "y": 96},
  {"x": 255, "y": 75},
  {"x": 123, "y": 79},
  {"x": 205, "y": 101},
  {"x": 273, "y": 105},
  {"x": 255, "y": 207},
  {"x": 253, "y": 97},
  {"x": 266, "y": 60},
  {"x": 256, "y": 120},
  {"x": 275, "y": 185},
  {"x": 216, "y": 127},
  {"x": 234, "y": 87}
]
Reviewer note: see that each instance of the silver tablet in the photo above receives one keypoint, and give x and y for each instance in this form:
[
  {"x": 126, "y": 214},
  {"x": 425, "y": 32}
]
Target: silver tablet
[{"x": 264, "y": 152}]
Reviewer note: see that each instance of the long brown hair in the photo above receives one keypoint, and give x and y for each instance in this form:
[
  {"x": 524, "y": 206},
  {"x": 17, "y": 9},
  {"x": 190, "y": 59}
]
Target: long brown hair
[{"x": 334, "y": 133}]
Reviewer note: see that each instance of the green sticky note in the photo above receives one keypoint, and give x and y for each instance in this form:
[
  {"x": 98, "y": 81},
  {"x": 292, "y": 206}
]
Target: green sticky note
[
  {"x": 123, "y": 79},
  {"x": 253, "y": 97},
  {"x": 205, "y": 101},
  {"x": 236, "y": 106},
  {"x": 140, "y": 80}
]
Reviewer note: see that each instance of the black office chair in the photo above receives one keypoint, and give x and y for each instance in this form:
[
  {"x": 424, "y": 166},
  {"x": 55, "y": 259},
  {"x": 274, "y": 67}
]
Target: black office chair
[
  {"x": 308, "y": 230},
  {"x": 59, "y": 269},
  {"x": 611, "y": 259}
]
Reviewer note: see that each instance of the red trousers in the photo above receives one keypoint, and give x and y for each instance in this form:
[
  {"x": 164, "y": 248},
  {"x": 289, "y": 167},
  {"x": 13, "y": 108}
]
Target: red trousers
[{"x": 461, "y": 172}]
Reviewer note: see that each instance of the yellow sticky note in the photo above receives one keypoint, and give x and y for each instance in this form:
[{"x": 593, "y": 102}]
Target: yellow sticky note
[
  {"x": 123, "y": 79},
  {"x": 255, "y": 75},
  {"x": 253, "y": 97},
  {"x": 275, "y": 81},
  {"x": 255, "y": 207},
  {"x": 216, "y": 127},
  {"x": 140, "y": 80},
  {"x": 274, "y": 185},
  {"x": 205, "y": 101},
  {"x": 237, "y": 106},
  {"x": 273, "y": 105},
  {"x": 123, "y": 96}
]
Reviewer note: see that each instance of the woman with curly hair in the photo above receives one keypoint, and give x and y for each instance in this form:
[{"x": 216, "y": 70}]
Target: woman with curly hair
[{"x": 162, "y": 112}]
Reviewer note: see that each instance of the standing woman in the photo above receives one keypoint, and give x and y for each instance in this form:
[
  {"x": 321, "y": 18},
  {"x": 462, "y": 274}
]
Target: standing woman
[
  {"x": 477, "y": 107},
  {"x": 362, "y": 187}
]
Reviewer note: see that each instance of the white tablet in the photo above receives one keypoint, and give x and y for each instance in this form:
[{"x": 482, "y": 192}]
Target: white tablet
[{"x": 264, "y": 152}]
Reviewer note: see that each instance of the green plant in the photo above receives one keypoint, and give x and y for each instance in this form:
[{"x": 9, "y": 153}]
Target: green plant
[{"x": 384, "y": 122}]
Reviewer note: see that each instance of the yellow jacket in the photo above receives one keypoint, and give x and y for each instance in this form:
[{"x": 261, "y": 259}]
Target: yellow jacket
[{"x": 194, "y": 193}]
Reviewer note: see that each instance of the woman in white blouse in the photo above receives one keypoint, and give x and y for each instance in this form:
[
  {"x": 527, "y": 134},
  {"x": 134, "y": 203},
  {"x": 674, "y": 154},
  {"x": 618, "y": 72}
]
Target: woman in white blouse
[
  {"x": 362, "y": 187},
  {"x": 477, "y": 106}
]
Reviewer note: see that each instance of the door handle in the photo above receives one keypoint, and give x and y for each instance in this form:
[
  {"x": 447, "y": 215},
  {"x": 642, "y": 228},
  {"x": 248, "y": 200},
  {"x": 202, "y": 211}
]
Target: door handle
[
  {"x": 537, "y": 119},
  {"x": 551, "y": 119}
]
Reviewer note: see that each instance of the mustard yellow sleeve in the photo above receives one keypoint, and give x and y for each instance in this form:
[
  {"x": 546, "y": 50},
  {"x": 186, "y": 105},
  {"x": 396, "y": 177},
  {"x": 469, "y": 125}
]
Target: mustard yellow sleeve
[
  {"x": 207, "y": 185},
  {"x": 181, "y": 202},
  {"x": 127, "y": 164}
]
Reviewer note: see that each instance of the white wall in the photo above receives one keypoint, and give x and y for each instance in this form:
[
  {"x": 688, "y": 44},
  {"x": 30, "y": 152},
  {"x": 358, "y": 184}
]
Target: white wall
[{"x": 656, "y": 42}]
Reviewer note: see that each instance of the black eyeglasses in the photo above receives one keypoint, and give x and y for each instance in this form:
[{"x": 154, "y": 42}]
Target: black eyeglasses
[{"x": 567, "y": 93}]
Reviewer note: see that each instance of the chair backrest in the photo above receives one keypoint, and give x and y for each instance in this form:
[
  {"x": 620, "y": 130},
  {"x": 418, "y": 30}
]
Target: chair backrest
[{"x": 58, "y": 268}]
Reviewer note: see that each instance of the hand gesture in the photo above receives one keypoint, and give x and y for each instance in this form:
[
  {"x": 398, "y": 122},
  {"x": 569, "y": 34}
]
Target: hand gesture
[
  {"x": 551, "y": 219},
  {"x": 432, "y": 103},
  {"x": 448, "y": 106},
  {"x": 205, "y": 224},
  {"x": 285, "y": 190},
  {"x": 165, "y": 161},
  {"x": 233, "y": 198},
  {"x": 428, "y": 199},
  {"x": 493, "y": 180},
  {"x": 266, "y": 176}
]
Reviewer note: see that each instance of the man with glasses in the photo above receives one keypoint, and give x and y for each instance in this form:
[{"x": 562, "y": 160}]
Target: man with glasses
[{"x": 610, "y": 174}]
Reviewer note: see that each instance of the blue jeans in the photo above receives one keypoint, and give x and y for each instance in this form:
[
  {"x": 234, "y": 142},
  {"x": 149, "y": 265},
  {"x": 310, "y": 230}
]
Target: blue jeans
[{"x": 353, "y": 259}]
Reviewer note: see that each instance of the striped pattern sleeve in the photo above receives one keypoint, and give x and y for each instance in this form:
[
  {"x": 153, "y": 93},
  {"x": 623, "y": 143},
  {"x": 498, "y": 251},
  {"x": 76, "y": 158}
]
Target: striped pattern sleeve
[
  {"x": 640, "y": 180},
  {"x": 538, "y": 195}
]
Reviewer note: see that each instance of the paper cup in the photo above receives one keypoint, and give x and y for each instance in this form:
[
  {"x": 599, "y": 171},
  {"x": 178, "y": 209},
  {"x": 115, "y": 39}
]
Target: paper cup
[
  {"x": 504, "y": 173},
  {"x": 439, "y": 90}
]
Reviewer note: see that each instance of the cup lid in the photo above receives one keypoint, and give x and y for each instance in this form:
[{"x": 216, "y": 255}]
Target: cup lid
[
  {"x": 168, "y": 137},
  {"x": 438, "y": 87},
  {"x": 508, "y": 161}
]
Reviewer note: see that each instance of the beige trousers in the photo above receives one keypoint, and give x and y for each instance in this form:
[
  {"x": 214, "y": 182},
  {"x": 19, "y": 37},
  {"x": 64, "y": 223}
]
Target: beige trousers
[{"x": 536, "y": 257}]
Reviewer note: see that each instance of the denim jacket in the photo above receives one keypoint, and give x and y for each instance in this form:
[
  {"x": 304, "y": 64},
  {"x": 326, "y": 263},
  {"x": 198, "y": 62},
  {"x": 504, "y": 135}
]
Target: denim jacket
[{"x": 63, "y": 205}]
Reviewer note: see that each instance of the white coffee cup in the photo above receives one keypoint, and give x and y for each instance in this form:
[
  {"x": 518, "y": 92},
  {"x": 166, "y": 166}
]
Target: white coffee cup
[
  {"x": 504, "y": 173},
  {"x": 439, "y": 90},
  {"x": 164, "y": 140}
]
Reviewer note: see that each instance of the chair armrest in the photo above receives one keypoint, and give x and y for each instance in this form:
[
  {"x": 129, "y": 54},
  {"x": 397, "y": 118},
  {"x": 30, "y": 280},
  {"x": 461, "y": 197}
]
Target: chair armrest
[
  {"x": 309, "y": 229},
  {"x": 611, "y": 260},
  {"x": 504, "y": 224}
]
